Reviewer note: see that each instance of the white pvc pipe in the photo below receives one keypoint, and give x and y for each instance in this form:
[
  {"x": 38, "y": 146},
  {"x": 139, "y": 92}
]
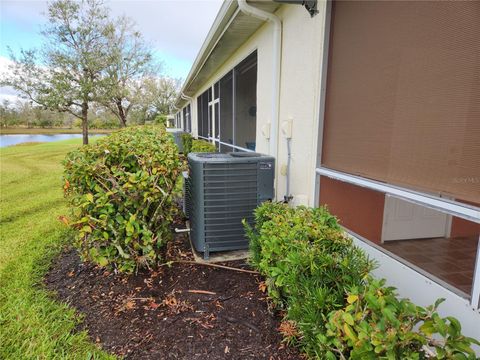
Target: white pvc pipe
[
  {"x": 289, "y": 161},
  {"x": 277, "y": 53}
]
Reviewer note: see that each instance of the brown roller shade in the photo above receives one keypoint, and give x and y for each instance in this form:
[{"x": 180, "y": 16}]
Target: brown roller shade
[{"x": 403, "y": 94}]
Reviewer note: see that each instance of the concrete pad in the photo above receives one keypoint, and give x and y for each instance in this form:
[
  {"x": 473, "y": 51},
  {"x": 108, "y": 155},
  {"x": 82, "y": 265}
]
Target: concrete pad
[{"x": 221, "y": 256}]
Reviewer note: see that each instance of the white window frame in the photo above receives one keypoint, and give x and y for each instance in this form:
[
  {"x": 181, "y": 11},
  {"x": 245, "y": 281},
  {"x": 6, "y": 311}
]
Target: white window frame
[
  {"x": 446, "y": 206},
  {"x": 211, "y": 111},
  {"x": 411, "y": 282},
  {"x": 451, "y": 207}
]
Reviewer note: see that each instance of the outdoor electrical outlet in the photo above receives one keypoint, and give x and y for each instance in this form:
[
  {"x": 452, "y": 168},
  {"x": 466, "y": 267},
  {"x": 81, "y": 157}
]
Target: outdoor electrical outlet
[
  {"x": 283, "y": 170},
  {"x": 287, "y": 128},
  {"x": 266, "y": 131}
]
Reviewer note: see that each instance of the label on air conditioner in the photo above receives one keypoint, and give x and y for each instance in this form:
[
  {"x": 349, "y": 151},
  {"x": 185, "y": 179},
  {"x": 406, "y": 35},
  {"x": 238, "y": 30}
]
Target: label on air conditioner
[{"x": 265, "y": 165}]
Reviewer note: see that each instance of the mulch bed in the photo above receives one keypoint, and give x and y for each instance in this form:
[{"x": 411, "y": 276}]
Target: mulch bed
[{"x": 179, "y": 312}]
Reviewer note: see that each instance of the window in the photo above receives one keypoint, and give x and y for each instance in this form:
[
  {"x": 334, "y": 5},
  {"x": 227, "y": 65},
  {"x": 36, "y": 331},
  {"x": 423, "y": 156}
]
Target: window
[
  {"x": 246, "y": 102},
  {"x": 213, "y": 110},
  {"x": 401, "y": 112},
  {"x": 202, "y": 111},
  {"x": 227, "y": 110},
  {"x": 439, "y": 244}
]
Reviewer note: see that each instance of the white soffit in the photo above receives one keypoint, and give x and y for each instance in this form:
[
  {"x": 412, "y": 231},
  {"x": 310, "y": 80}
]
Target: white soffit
[{"x": 229, "y": 31}]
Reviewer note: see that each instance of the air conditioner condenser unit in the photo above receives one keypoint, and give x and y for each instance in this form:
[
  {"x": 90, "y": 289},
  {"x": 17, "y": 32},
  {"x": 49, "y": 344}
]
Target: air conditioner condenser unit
[
  {"x": 177, "y": 137},
  {"x": 220, "y": 191}
]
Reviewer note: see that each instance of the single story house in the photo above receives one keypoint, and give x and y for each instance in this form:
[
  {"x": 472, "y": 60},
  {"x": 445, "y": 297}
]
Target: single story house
[{"x": 369, "y": 107}]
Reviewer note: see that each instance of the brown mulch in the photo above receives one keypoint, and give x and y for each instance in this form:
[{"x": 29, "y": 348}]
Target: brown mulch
[{"x": 179, "y": 312}]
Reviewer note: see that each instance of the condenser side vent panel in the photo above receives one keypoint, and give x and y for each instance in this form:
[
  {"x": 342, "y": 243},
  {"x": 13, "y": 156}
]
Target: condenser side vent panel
[{"x": 177, "y": 137}]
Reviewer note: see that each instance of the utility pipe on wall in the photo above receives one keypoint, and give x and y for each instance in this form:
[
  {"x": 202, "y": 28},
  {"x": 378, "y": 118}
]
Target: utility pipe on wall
[
  {"x": 287, "y": 198},
  {"x": 188, "y": 98},
  {"x": 277, "y": 53}
]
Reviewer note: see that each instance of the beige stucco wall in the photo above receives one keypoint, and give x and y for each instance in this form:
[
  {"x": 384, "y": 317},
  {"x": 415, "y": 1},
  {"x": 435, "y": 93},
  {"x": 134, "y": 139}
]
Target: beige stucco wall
[
  {"x": 302, "y": 38},
  {"x": 300, "y": 98}
]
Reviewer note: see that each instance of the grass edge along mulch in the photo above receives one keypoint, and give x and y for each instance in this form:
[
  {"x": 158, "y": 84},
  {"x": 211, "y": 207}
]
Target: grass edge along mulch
[{"x": 32, "y": 324}]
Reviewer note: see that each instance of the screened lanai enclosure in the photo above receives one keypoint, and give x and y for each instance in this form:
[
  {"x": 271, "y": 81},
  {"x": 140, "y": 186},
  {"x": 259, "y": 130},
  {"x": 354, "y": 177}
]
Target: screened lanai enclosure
[{"x": 227, "y": 111}]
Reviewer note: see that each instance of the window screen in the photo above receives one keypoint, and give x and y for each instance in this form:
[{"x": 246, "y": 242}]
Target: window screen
[
  {"x": 202, "y": 114},
  {"x": 246, "y": 102},
  {"x": 226, "y": 111}
]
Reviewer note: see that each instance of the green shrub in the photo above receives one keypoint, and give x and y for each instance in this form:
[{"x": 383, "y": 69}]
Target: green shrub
[
  {"x": 376, "y": 324},
  {"x": 333, "y": 308},
  {"x": 309, "y": 264},
  {"x": 160, "y": 120},
  {"x": 187, "y": 141},
  {"x": 203, "y": 146},
  {"x": 193, "y": 145},
  {"x": 120, "y": 190}
]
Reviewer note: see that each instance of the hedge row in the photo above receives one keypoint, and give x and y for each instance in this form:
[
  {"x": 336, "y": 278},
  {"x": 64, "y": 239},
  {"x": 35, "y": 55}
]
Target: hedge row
[
  {"x": 120, "y": 190},
  {"x": 193, "y": 145},
  {"x": 203, "y": 146},
  {"x": 333, "y": 308}
]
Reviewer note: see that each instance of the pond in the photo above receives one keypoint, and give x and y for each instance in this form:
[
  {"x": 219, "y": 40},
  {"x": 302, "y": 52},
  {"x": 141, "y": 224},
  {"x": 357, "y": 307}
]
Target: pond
[{"x": 13, "y": 139}]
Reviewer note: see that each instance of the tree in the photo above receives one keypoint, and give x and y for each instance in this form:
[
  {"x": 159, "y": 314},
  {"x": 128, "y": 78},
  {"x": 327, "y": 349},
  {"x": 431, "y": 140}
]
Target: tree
[
  {"x": 163, "y": 93},
  {"x": 5, "y": 113},
  {"x": 157, "y": 97},
  {"x": 66, "y": 74},
  {"x": 130, "y": 61}
]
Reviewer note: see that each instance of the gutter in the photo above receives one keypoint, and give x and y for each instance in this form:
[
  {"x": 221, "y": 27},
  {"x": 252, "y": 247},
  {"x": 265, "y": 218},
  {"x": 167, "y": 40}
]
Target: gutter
[
  {"x": 277, "y": 52},
  {"x": 185, "y": 97}
]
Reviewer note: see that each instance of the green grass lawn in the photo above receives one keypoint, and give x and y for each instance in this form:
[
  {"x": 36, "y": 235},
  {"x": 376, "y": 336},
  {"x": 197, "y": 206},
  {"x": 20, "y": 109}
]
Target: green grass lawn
[{"x": 32, "y": 325}]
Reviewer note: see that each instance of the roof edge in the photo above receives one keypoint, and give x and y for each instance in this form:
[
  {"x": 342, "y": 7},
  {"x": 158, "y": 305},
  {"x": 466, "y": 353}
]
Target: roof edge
[{"x": 227, "y": 10}]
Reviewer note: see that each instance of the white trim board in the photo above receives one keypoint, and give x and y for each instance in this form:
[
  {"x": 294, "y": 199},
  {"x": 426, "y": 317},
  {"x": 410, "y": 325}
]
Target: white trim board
[
  {"x": 230, "y": 145},
  {"x": 320, "y": 126},
  {"x": 224, "y": 143},
  {"x": 455, "y": 208}
]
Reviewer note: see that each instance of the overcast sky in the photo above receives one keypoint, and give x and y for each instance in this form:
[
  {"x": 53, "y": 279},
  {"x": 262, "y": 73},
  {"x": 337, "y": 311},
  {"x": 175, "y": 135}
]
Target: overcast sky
[{"x": 175, "y": 29}]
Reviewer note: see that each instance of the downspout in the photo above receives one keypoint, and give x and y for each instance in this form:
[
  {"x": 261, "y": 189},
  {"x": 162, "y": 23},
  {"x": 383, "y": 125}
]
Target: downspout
[
  {"x": 188, "y": 98},
  {"x": 277, "y": 52},
  {"x": 287, "y": 198}
]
